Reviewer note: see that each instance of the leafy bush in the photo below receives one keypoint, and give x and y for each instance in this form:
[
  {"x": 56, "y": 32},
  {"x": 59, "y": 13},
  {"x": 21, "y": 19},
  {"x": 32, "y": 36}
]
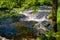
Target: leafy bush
[
  {"x": 7, "y": 4},
  {"x": 50, "y": 36}
]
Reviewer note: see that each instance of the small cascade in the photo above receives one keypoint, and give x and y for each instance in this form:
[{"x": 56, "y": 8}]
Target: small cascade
[
  {"x": 34, "y": 17},
  {"x": 38, "y": 17}
]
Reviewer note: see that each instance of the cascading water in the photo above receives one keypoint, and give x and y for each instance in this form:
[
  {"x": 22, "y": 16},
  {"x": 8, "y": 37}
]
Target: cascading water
[
  {"x": 38, "y": 17},
  {"x": 34, "y": 17},
  {"x": 27, "y": 18}
]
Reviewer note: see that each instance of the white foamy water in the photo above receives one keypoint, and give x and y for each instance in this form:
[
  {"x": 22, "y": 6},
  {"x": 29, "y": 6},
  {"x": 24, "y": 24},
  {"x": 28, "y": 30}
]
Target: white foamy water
[
  {"x": 2, "y": 38},
  {"x": 38, "y": 17},
  {"x": 33, "y": 17},
  {"x": 39, "y": 26}
]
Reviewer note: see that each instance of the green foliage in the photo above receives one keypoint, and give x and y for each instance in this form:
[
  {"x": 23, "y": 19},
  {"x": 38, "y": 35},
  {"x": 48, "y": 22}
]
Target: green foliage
[
  {"x": 8, "y": 14},
  {"x": 41, "y": 2},
  {"x": 58, "y": 15},
  {"x": 7, "y": 4},
  {"x": 47, "y": 2},
  {"x": 59, "y": 3},
  {"x": 39, "y": 38},
  {"x": 58, "y": 19},
  {"x": 50, "y": 35},
  {"x": 49, "y": 16},
  {"x": 23, "y": 4}
]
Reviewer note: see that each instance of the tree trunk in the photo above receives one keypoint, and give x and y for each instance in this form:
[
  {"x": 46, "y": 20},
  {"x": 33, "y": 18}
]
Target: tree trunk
[{"x": 54, "y": 14}]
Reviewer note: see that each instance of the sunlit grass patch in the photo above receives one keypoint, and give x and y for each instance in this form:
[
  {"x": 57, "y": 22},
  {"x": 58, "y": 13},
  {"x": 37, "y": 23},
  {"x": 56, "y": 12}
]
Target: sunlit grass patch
[
  {"x": 58, "y": 19},
  {"x": 58, "y": 15}
]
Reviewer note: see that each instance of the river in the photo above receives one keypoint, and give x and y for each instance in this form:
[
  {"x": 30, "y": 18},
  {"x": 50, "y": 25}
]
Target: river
[{"x": 7, "y": 26}]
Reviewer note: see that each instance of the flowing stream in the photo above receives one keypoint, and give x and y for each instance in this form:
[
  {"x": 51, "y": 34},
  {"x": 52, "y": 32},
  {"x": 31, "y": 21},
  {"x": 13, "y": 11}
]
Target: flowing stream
[
  {"x": 40, "y": 16},
  {"x": 28, "y": 19}
]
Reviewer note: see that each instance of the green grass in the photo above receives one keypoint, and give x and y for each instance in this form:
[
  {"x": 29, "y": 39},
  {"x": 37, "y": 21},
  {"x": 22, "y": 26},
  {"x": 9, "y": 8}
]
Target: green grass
[
  {"x": 58, "y": 15},
  {"x": 58, "y": 19}
]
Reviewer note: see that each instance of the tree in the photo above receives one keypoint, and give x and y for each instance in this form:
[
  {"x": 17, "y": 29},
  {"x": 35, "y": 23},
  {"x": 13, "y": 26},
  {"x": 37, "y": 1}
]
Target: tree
[{"x": 54, "y": 14}]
